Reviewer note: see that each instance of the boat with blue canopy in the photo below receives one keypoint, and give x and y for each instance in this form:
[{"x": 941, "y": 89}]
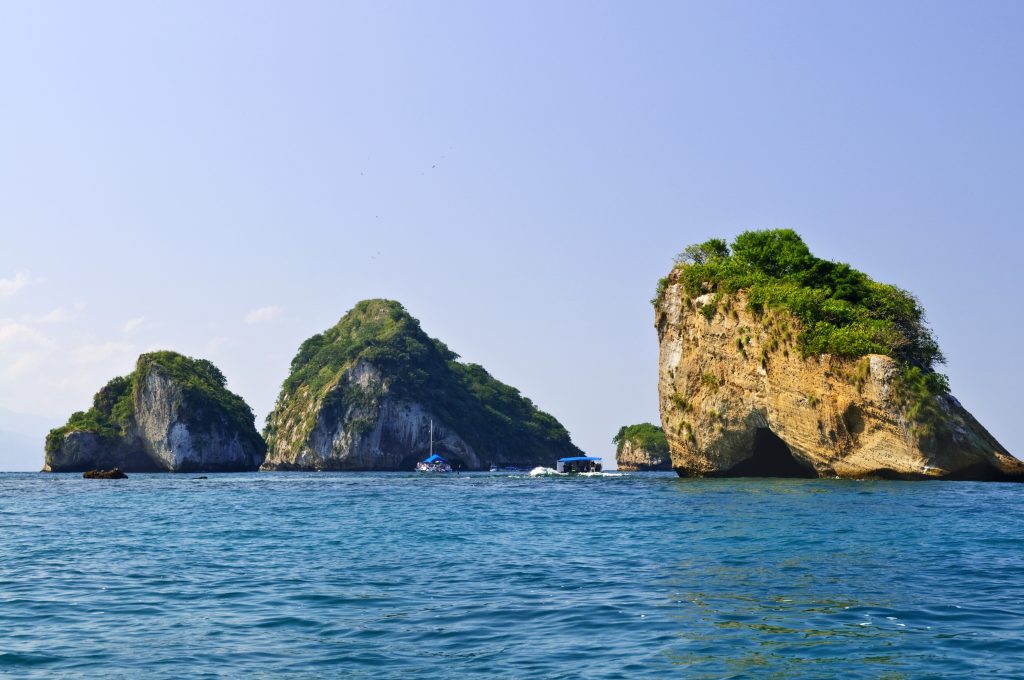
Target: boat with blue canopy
[
  {"x": 578, "y": 464},
  {"x": 434, "y": 462}
]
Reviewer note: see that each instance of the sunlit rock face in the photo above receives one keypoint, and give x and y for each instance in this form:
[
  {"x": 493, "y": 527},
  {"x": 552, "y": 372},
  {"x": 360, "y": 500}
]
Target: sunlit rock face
[{"x": 737, "y": 399}]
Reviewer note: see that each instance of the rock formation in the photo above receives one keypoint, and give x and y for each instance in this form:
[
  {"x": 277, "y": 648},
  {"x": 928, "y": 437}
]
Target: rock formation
[
  {"x": 746, "y": 390},
  {"x": 116, "y": 473},
  {"x": 363, "y": 394},
  {"x": 641, "y": 447},
  {"x": 172, "y": 414}
]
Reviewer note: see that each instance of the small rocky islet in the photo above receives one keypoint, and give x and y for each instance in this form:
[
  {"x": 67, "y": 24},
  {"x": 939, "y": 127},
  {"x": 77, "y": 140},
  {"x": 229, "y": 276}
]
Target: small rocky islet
[
  {"x": 115, "y": 473},
  {"x": 772, "y": 362},
  {"x": 641, "y": 448}
]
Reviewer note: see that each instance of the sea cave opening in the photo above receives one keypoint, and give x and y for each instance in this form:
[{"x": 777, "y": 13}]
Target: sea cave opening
[{"x": 771, "y": 458}]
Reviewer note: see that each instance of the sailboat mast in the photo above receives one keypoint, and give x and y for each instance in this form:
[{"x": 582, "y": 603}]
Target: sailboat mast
[{"x": 431, "y": 436}]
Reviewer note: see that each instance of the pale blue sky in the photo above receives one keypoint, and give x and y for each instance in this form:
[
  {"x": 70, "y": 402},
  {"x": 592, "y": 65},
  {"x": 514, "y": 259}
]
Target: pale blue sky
[{"x": 518, "y": 175}]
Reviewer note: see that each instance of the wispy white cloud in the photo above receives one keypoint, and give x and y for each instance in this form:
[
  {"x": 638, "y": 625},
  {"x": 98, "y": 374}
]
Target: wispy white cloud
[
  {"x": 102, "y": 352},
  {"x": 55, "y": 315},
  {"x": 8, "y": 287},
  {"x": 132, "y": 325},
  {"x": 24, "y": 348},
  {"x": 218, "y": 343},
  {"x": 12, "y": 332},
  {"x": 264, "y": 314},
  {"x": 27, "y": 362}
]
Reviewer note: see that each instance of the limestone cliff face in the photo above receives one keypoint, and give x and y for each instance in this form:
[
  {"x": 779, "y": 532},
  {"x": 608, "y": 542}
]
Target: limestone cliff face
[
  {"x": 167, "y": 432},
  {"x": 171, "y": 415},
  {"x": 737, "y": 399},
  {"x": 361, "y": 426},
  {"x": 634, "y": 457},
  {"x": 362, "y": 396}
]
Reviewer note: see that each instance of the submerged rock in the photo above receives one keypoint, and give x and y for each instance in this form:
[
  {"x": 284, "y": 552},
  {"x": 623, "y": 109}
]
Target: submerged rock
[
  {"x": 172, "y": 414},
  {"x": 363, "y": 394},
  {"x": 641, "y": 448},
  {"x": 775, "y": 363},
  {"x": 116, "y": 473}
]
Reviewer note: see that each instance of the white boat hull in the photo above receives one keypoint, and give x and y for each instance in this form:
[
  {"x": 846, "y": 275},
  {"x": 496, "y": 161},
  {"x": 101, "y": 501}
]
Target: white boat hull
[{"x": 433, "y": 467}]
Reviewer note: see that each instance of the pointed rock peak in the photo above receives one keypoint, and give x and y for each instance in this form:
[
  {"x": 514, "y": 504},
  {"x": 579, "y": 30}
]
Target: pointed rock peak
[{"x": 361, "y": 395}]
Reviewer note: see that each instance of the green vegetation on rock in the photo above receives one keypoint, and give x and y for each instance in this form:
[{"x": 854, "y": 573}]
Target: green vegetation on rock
[
  {"x": 840, "y": 310},
  {"x": 415, "y": 367},
  {"x": 109, "y": 417},
  {"x": 205, "y": 403},
  {"x": 645, "y": 436}
]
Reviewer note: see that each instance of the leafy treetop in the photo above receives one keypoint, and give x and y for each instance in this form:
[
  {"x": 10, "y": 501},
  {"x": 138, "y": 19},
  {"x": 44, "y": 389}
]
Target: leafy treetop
[
  {"x": 842, "y": 310},
  {"x": 643, "y": 435}
]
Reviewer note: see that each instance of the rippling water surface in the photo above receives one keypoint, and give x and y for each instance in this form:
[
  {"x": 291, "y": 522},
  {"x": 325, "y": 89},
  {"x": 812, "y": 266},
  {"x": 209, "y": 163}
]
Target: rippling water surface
[{"x": 498, "y": 575}]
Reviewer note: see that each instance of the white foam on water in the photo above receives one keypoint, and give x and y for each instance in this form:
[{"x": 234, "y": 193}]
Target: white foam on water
[{"x": 546, "y": 472}]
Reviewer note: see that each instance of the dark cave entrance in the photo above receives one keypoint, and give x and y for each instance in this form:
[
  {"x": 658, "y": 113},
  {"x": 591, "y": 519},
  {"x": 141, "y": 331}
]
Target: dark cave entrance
[{"x": 771, "y": 458}]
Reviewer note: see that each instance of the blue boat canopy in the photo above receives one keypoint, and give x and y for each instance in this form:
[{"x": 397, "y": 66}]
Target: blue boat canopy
[
  {"x": 566, "y": 460},
  {"x": 434, "y": 459}
]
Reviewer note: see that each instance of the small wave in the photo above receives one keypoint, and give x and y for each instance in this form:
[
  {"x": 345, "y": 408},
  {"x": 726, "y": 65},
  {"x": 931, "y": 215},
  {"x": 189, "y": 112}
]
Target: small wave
[{"x": 546, "y": 471}]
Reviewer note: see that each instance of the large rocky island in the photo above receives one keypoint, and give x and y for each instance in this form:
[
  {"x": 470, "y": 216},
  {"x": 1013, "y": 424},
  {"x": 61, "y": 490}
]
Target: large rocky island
[
  {"x": 641, "y": 447},
  {"x": 172, "y": 414},
  {"x": 776, "y": 363},
  {"x": 362, "y": 396}
]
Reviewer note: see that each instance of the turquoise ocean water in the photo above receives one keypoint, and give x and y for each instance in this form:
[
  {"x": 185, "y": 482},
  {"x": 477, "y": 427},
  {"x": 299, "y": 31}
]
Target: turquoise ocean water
[{"x": 503, "y": 575}]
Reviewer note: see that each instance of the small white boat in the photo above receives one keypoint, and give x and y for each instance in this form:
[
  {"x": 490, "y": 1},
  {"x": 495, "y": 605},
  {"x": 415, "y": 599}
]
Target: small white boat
[
  {"x": 494, "y": 468},
  {"x": 578, "y": 464},
  {"x": 434, "y": 462}
]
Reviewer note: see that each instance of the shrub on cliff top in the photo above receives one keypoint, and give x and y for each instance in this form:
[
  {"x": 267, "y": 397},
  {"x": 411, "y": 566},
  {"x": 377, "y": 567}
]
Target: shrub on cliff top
[{"x": 842, "y": 310}]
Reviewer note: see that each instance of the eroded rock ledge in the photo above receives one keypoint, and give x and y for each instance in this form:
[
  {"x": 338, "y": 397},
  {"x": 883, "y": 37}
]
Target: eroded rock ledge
[{"x": 737, "y": 399}]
